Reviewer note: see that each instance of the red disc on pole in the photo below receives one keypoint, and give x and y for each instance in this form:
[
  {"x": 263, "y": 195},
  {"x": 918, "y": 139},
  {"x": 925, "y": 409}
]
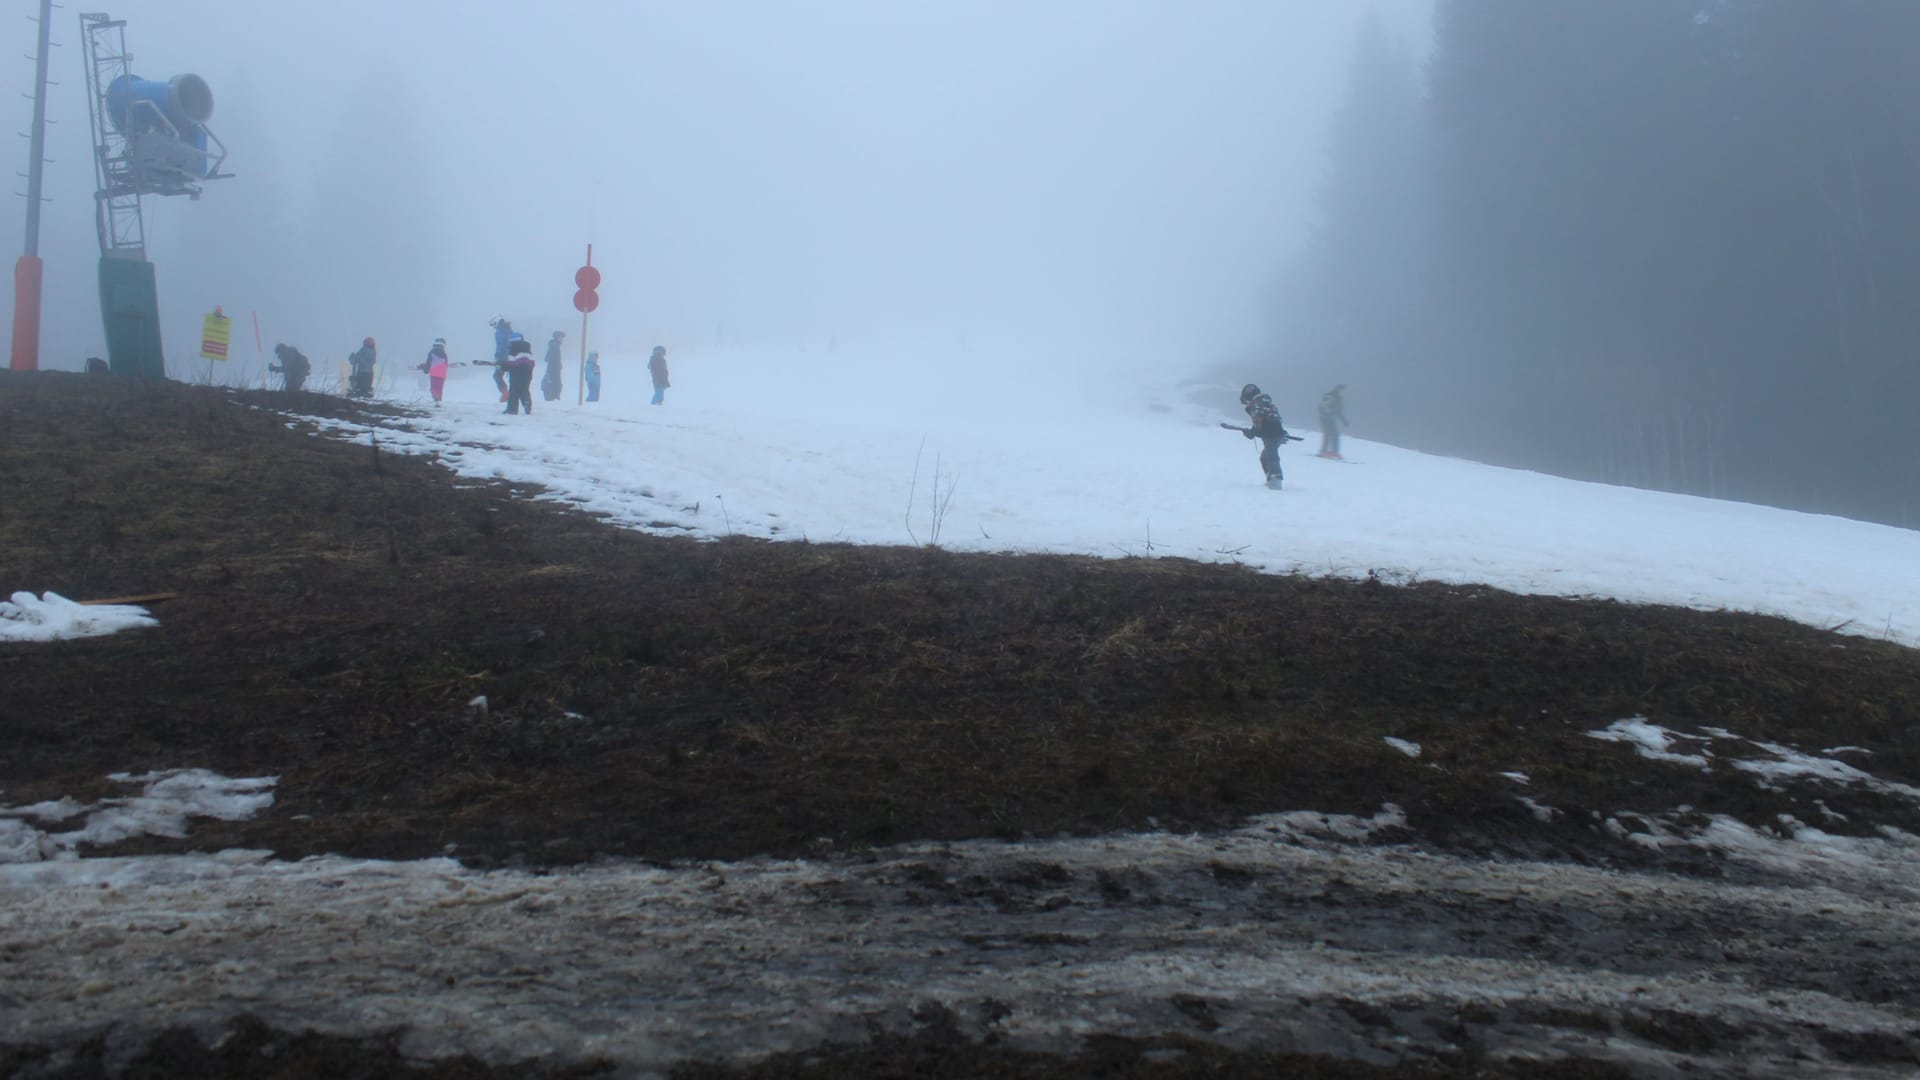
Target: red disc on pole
[
  {"x": 585, "y": 301},
  {"x": 587, "y": 277}
]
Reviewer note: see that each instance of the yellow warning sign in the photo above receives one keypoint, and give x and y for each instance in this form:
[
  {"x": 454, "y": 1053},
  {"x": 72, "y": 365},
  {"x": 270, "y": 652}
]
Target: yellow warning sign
[{"x": 214, "y": 335}]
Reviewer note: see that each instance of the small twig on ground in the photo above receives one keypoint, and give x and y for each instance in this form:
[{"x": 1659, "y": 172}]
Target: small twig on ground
[
  {"x": 937, "y": 513},
  {"x": 723, "y": 513},
  {"x": 145, "y": 598},
  {"x": 914, "y": 487}
]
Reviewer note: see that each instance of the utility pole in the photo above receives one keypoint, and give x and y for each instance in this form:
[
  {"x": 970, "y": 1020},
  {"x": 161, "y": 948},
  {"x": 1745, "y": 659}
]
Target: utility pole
[{"x": 27, "y": 273}]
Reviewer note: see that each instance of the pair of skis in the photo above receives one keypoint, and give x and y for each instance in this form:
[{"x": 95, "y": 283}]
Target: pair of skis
[{"x": 1284, "y": 437}]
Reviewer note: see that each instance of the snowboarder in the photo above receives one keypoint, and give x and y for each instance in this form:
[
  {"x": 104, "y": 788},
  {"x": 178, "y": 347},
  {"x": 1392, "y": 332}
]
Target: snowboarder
[
  {"x": 550, "y": 381},
  {"x": 657, "y": 367},
  {"x": 435, "y": 365},
  {"x": 360, "y": 382},
  {"x": 293, "y": 366},
  {"x": 519, "y": 376},
  {"x": 502, "y": 337},
  {"x": 593, "y": 376},
  {"x": 1333, "y": 417},
  {"x": 1267, "y": 428}
]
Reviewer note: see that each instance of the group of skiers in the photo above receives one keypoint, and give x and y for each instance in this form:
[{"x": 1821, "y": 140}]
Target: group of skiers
[
  {"x": 513, "y": 366},
  {"x": 1266, "y": 427}
]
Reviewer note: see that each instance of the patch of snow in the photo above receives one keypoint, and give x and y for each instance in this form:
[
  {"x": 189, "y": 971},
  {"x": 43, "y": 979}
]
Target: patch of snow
[
  {"x": 1542, "y": 813},
  {"x": 1080, "y": 466},
  {"x": 52, "y": 617},
  {"x": 165, "y": 803},
  {"x": 1650, "y": 741},
  {"x": 1411, "y": 749},
  {"x": 1791, "y": 764},
  {"x": 1518, "y": 777}
]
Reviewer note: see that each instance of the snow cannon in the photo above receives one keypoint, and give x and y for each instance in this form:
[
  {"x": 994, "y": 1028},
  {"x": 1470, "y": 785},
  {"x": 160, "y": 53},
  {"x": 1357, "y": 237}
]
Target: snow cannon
[
  {"x": 164, "y": 122},
  {"x": 137, "y": 104}
]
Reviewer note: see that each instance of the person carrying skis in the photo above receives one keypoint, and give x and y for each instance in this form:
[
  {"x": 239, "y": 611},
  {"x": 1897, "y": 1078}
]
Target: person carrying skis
[
  {"x": 1333, "y": 417},
  {"x": 293, "y": 366},
  {"x": 550, "y": 381},
  {"x": 592, "y": 374},
  {"x": 502, "y": 337},
  {"x": 435, "y": 365},
  {"x": 1267, "y": 428},
  {"x": 519, "y": 376},
  {"x": 361, "y": 364},
  {"x": 657, "y": 367}
]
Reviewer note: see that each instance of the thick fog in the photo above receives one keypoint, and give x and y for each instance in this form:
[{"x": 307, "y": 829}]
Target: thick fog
[{"x": 1120, "y": 174}]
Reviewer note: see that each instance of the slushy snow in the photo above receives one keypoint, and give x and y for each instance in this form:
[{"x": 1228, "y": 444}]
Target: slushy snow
[
  {"x": 52, "y": 617},
  {"x": 856, "y": 447}
]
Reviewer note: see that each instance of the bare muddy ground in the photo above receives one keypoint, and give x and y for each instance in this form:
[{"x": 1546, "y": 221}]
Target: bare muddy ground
[
  {"x": 656, "y": 706},
  {"x": 1292, "y": 936}
]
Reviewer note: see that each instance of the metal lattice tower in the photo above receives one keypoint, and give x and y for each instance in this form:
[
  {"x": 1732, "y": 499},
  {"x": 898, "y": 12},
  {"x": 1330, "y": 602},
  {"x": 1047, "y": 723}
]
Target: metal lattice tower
[{"x": 123, "y": 231}]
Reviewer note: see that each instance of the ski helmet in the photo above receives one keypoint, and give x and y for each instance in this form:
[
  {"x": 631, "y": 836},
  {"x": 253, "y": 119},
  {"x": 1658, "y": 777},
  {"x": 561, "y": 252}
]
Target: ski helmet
[
  {"x": 368, "y": 343},
  {"x": 1248, "y": 393}
]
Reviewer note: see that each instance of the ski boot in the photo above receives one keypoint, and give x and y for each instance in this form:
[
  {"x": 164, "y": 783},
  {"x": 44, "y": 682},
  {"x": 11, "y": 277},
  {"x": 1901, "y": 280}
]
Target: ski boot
[{"x": 1273, "y": 482}]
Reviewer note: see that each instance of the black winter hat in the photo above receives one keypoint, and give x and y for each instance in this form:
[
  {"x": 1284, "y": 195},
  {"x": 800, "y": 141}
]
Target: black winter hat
[{"x": 1248, "y": 393}]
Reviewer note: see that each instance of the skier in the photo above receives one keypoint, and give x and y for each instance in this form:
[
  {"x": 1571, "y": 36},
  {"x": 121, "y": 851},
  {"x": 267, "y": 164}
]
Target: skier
[
  {"x": 593, "y": 376},
  {"x": 519, "y": 376},
  {"x": 435, "y": 365},
  {"x": 657, "y": 367},
  {"x": 360, "y": 382},
  {"x": 1267, "y": 428},
  {"x": 502, "y": 337},
  {"x": 1333, "y": 417},
  {"x": 550, "y": 381},
  {"x": 293, "y": 366}
]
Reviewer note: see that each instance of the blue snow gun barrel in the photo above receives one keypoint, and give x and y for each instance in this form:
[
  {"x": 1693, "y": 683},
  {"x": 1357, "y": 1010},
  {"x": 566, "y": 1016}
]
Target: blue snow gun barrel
[
  {"x": 179, "y": 107},
  {"x": 135, "y": 104}
]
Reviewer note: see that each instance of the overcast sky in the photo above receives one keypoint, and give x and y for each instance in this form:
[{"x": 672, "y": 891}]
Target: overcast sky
[{"x": 1107, "y": 170}]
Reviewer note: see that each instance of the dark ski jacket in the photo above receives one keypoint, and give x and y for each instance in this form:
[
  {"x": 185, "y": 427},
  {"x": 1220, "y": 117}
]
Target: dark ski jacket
[
  {"x": 1265, "y": 417},
  {"x": 362, "y": 360},
  {"x": 293, "y": 364},
  {"x": 657, "y": 367}
]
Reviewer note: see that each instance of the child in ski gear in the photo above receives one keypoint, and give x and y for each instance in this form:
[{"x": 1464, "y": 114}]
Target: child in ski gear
[
  {"x": 435, "y": 365},
  {"x": 1267, "y": 428},
  {"x": 592, "y": 373},
  {"x": 519, "y": 376},
  {"x": 502, "y": 337},
  {"x": 1333, "y": 417},
  {"x": 550, "y": 381},
  {"x": 657, "y": 367},
  {"x": 360, "y": 382},
  {"x": 293, "y": 366}
]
